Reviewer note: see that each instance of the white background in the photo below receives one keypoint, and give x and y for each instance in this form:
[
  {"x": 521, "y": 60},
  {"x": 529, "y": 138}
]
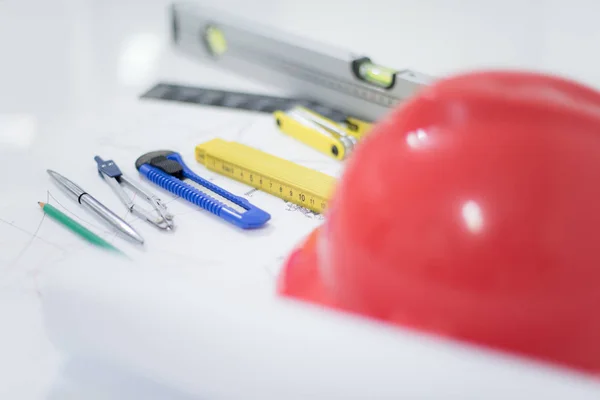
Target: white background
[
  {"x": 46, "y": 45},
  {"x": 70, "y": 71}
]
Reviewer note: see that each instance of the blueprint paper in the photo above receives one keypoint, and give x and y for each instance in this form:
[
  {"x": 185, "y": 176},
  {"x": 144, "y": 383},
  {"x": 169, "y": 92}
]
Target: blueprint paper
[
  {"x": 32, "y": 244},
  {"x": 125, "y": 133}
]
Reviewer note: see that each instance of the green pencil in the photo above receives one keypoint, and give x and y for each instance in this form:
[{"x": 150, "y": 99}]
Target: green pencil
[{"x": 76, "y": 227}]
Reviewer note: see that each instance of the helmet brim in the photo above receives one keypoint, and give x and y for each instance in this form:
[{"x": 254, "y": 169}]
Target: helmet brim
[{"x": 300, "y": 278}]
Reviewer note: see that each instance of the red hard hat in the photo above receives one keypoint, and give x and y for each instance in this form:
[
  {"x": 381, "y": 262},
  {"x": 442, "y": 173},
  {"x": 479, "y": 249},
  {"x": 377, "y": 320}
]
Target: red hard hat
[{"x": 471, "y": 211}]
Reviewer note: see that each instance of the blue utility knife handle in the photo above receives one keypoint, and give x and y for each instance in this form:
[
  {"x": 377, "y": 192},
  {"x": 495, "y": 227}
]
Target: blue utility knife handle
[
  {"x": 253, "y": 217},
  {"x": 189, "y": 174}
]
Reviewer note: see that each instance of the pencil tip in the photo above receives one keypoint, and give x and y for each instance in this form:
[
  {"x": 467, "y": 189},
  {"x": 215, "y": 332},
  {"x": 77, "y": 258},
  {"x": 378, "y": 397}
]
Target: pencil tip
[{"x": 41, "y": 204}]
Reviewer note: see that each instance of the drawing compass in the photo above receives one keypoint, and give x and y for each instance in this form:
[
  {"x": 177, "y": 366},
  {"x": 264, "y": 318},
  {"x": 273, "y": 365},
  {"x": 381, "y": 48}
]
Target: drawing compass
[{"x": 118, "y": 181}]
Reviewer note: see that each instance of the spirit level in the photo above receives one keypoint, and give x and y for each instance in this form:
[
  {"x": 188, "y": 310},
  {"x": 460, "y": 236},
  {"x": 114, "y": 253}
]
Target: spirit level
[{"x": 306, "y": 69}]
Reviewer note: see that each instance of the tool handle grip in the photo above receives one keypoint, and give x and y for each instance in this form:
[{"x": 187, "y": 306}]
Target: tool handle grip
[
  {"x": 189, "y": 174},
  {"x": 181, "y": 189},
  {"x": 253, "y": 217}
]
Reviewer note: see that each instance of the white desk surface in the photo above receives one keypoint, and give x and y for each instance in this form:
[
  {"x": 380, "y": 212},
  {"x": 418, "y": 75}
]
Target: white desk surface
[{"x": 70, "y": 74}]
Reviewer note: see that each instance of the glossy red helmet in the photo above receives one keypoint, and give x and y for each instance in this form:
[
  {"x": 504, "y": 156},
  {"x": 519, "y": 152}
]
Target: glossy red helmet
[{"x": 471, "y": 211}]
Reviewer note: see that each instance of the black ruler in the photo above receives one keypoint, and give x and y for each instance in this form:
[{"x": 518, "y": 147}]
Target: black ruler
[{"x": 211, "y": 97}]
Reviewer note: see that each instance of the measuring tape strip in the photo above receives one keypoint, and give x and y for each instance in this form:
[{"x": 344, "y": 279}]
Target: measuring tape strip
[{"x": 282, "y": 178}]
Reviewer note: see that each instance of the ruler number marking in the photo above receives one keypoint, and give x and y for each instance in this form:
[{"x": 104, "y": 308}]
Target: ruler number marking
[
  {"x": 277, "y": 188},
  {"x": 228, "y": 170}
]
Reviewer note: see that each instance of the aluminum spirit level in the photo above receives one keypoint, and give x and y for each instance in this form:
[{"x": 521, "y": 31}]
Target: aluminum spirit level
[{"x": 353, "y": 84}]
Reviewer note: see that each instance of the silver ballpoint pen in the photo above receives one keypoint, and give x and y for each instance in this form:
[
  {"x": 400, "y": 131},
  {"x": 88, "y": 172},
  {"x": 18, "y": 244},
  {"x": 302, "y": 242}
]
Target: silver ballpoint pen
[{"x": 85, "y": 199}]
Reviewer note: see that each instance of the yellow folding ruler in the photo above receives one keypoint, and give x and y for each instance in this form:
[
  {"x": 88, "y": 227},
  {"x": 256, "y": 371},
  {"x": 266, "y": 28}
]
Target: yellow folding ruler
[
  {"x": 282, "y": 178},
  {"x": 333, "y": 137}
]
